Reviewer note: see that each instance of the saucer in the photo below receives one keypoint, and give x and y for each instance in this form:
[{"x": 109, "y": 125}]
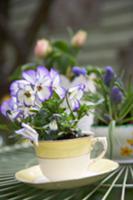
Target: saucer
[{"x": 96, "y": 171}]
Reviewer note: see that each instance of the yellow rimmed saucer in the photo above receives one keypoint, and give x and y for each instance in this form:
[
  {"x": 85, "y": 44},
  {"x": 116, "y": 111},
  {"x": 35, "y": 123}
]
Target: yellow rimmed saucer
[{"x": 96, "y": 171}]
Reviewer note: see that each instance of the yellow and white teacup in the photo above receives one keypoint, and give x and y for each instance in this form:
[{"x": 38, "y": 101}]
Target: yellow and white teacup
[{"x": 67, "y": 159}]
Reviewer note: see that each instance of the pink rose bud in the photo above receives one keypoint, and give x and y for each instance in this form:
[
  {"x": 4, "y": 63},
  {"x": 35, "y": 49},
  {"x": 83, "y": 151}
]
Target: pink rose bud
[
  {"x": 79, "y": 39},
  {"x": 42, "y": 48}
]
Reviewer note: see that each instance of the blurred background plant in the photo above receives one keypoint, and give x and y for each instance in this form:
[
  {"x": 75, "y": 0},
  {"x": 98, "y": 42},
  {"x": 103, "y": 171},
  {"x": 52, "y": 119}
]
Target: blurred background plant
[
  {"x": 114, "y": 110},
  {"x": 60, "y": 54},
  {"x": 116, "y": 97}
]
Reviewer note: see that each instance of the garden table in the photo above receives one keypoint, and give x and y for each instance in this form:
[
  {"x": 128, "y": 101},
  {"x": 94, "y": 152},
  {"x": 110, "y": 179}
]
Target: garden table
[{"x": 116, "y": 185}]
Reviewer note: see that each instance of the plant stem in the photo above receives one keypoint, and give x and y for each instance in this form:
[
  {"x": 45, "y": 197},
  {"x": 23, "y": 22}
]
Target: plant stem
[
  {"x": 70, "y": 107},
  {"x": 109, "y": 107},
  {"x": 111, "y": 131}
]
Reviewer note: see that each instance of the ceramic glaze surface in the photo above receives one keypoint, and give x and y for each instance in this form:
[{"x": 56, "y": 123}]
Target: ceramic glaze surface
[
  {"x": 122, "y": 140},
  {"x": 96, "y": 171},
  {"x": 57, "y": 169},
  {"x": 67, "y": 158},
  {"x": 64, "y": 148}
]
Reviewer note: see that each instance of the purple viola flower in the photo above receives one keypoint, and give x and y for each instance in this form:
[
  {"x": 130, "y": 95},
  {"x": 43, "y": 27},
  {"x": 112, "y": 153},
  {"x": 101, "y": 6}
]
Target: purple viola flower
[
  {"x": 36, "y": 86},
  {"x": 5, "y": 107},
  {"x": 9, "y": 108},
  {"x": 22, "y": 90},
  {"x": 16, "y": 86},
  {"x": 26, "y": 95},
  {"x": 79, "y": 70},
  {"x": 25, "y": 111},
  {"x": 109, "y": 75},
  {"x": 56, "y": 83},
  {"x": 74, "y": 96},
  {"x": 29, "y": 133},
  {"x": 116, "y": 95},
  {"x": 43, "y": 83}
]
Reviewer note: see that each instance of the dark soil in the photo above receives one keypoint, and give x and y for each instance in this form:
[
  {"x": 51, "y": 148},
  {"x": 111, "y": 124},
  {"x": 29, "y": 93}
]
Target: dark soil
[{"x": 70, "y": 136}]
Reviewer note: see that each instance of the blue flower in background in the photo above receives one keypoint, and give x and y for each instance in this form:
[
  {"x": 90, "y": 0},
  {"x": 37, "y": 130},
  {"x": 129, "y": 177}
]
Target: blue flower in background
[
  {"x": 79, "y": 71},
  {"x": 116, "y": 95},
  {"x": 109, "y": 75}
]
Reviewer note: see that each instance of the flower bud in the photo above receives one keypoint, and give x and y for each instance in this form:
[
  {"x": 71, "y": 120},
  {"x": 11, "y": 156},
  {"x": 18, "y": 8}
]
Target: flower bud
[
  {"x": 79, "y": 71},
  {"x": 109, "y": 75},
  {"x": 79, "y": 39},
  {"x": 42, "y": 48},
  {"x": 116, "y": 95}
]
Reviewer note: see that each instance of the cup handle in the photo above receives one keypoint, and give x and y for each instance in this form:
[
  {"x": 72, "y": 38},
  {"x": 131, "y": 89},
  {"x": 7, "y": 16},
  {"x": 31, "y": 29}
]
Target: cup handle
[{"x": 103, "y": 141}]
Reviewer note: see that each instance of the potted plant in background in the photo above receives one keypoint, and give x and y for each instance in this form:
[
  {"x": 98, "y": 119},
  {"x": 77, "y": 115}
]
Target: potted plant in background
[
  {"x": 57, "y": 53},
  {"x": 47, "y": 114},
  {"x": 114, "y": 115},
  {"x": 60, "y": 53}
]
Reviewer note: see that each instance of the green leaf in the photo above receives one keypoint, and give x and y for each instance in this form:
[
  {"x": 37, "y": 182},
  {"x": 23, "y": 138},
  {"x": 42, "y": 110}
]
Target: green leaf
[
  {"x": 17, "y": 74},
  {"x": 3, "y": 127},
  {"x": 126, "y": 107},
  {"x": 61, "y": 45},
  {"x": 28, "y": 66}
]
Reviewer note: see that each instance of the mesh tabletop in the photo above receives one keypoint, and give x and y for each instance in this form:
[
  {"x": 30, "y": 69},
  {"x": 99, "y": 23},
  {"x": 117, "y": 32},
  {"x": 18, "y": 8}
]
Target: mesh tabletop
[{"x": 118, "y": 184}]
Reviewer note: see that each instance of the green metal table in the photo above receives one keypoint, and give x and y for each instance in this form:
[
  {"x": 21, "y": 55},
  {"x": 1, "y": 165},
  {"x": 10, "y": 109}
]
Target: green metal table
[{"x": 117, "y": 185}]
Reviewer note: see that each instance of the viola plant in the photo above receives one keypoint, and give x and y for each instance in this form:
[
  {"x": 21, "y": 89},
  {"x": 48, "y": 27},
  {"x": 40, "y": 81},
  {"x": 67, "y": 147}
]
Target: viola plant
[{"x": 40, "y": 108}]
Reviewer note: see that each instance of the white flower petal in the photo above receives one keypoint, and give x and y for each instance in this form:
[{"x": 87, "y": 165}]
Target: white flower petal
[
  {"x": 20, "y": 96},
  {"x": 74, "y": 103},
  {"x": 46, "y": 81},
  {"x": 56, "y": 81},
  {"x": 44, "y": 94},
  {"x": 55, "y": 78},
  {"x": 16, "y": 85},
  {"x": 30, "y": 76},
  {"x": 53, "y": 73},
  {"x": 29, "y": 101},
  {"x": 65, "y": 82},
  {"x": 76, "y": 92},
  {"x": 87, "y": 81},
  {"x": 28, "y": 88},
  {"x": 42, "y": 72},
  {"x": 60, "y": 91},
  {"x": 86, "y": 122},
  {"x": 28, "y": 132}
]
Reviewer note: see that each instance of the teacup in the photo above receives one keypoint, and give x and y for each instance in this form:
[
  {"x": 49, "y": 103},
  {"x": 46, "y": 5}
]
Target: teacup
[{"x": 67, "y": 159}]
